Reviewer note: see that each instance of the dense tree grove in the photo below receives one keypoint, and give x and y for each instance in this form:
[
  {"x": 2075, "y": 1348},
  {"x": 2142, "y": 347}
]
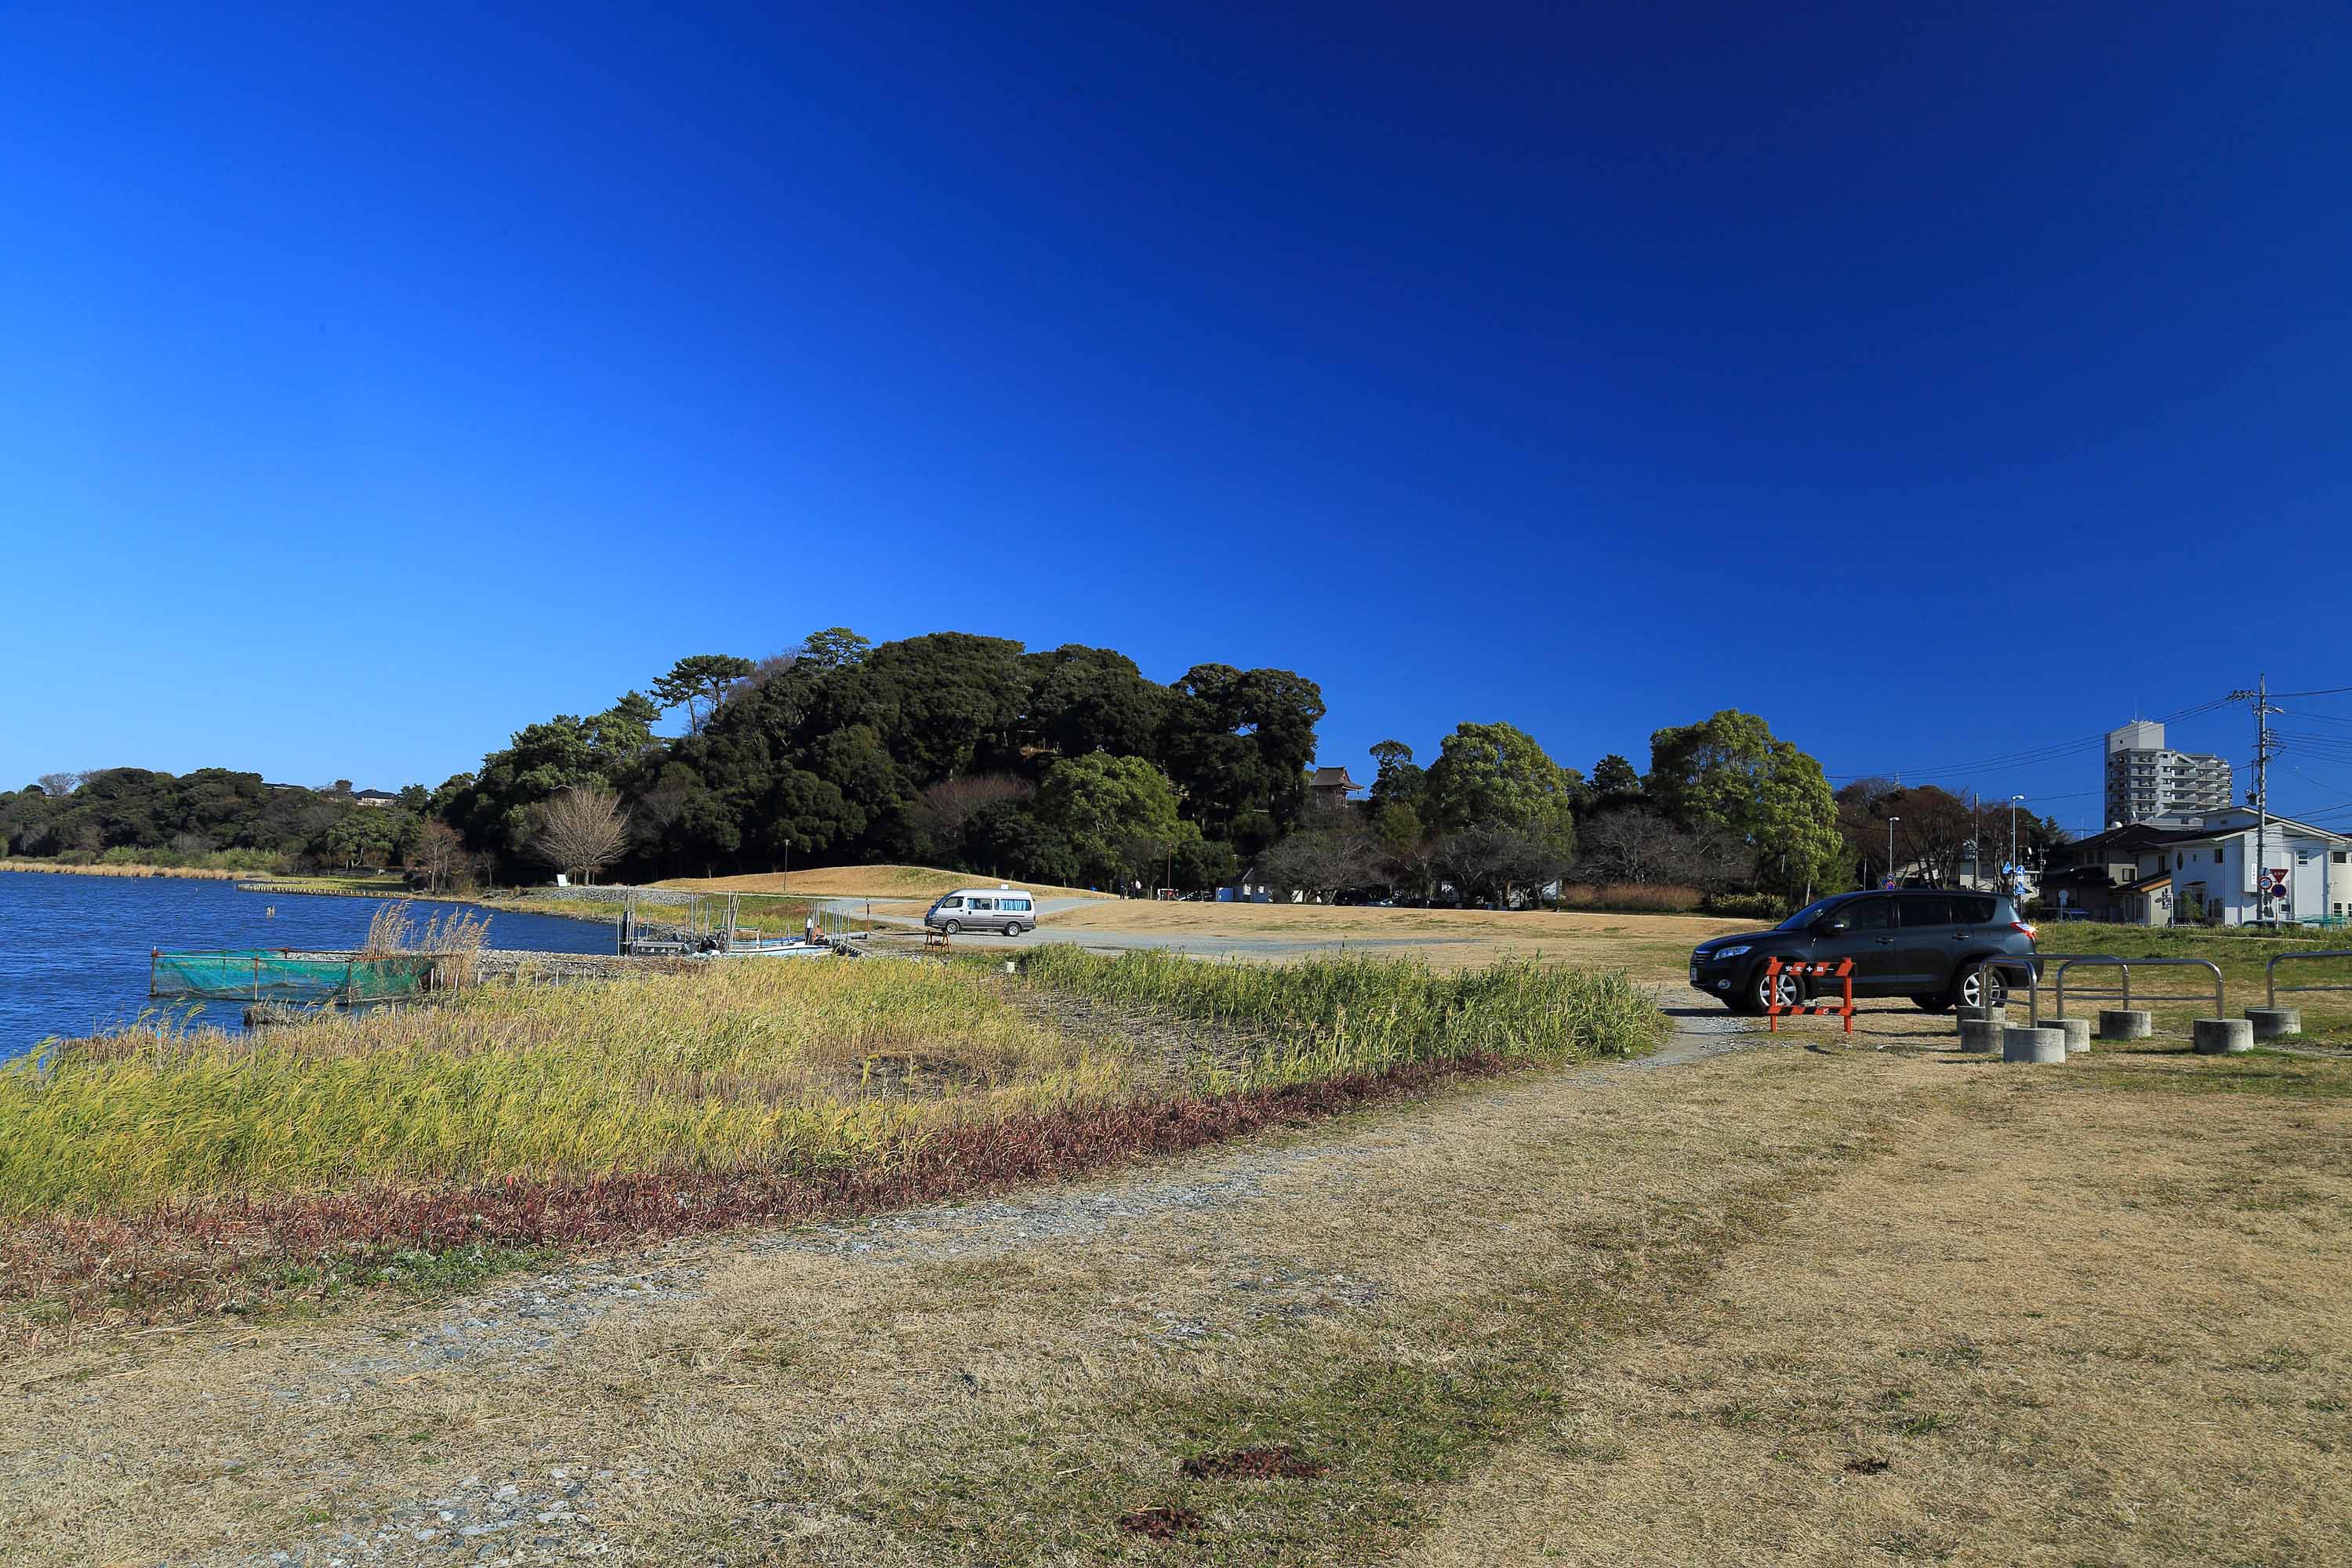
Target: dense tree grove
[
  {"x": 1065, "y": 765},
  {"x": 210, "y": 817}
]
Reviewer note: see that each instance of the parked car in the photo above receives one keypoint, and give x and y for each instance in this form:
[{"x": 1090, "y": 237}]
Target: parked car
[
  {"x": 1005, "y": 909},
  {"x": 1921, "y": 945}
]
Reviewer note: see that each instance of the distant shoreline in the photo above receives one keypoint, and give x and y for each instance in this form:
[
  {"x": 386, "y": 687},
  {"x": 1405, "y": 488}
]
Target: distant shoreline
[{"x": 188, "y": 873}]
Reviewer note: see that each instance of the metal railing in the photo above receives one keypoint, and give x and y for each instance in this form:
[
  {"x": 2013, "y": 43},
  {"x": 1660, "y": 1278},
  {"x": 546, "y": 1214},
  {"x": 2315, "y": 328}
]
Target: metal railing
[
  {"x": 2066, "y": 961},
  {"x": 2270, "y": 973}
]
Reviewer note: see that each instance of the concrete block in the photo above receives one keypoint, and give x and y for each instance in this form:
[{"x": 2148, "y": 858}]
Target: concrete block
[
  {"x": 2023, "y": 1043},
  {"x": 2269, "y": 1023},
  {"x": 2077, "y": 1032},
  {"x": 1979, "y": 1033},
  {"x": 2125, "y": 1023},
  {"x": 2218, "y": 1037}
]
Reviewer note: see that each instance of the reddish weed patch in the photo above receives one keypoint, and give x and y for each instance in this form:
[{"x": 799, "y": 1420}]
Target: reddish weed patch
[
  {"x": 1161, "y": 1524},
  {"x": 1251, "y": 1464}
]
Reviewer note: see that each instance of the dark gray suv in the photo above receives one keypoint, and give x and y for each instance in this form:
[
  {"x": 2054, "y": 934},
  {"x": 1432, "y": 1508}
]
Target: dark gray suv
[{"x": 1923, "y": 944}]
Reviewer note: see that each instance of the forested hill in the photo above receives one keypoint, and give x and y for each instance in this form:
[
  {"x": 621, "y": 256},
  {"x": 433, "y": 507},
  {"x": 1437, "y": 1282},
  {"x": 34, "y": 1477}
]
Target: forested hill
[{"x": 948, "y": 749}]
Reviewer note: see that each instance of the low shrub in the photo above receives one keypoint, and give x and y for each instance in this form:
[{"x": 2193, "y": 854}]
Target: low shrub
[
  {"x": 1749, "y": 906},
  {"x": 1645, "y": 897}
]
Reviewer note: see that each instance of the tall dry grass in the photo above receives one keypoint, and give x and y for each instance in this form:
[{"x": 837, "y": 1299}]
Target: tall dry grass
[
  {"x": 97, "y": 869},
  {"x": 791, "y": 1066},
  {"x": 799, "y": 1064},
  {"x": 453, "y": 938}
]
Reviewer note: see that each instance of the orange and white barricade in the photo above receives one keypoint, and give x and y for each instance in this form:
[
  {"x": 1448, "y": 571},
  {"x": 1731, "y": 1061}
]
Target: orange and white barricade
[{"x": 1841, "y": 971}]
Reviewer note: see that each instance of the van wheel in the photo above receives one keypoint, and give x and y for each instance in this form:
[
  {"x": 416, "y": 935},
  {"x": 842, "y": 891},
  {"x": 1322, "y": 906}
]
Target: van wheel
[
  {"x": 1755, "y": 996},
  {"x": 1012, "y": 928},
  {"x": 1964, "y": 988},
  {"x": 1932, "y": 1003},
  {"x": 953, "y": 928}
]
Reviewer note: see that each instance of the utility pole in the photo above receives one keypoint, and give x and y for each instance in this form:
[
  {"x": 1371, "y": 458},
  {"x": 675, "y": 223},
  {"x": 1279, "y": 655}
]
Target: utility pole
[
  {"x": 1890, "y": 849},
  {"x": 2261, "y": 697}
]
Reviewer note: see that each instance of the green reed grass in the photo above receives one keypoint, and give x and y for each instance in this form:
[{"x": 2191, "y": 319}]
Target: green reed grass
[
  {"x": 1330, "y": 1017},
  {"x": 801, "y": 1065},
  {"x": 744, "y": 1060}
]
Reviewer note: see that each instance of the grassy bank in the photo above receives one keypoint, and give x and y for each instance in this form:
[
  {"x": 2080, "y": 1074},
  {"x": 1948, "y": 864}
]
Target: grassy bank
[{"x": 146, "y": 1172}]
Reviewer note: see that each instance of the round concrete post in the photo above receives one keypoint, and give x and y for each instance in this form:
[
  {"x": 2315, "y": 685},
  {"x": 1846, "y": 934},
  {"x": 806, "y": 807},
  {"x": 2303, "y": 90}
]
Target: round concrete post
[
  {"x": 2218, "y": 1037},
  {"x": 2077, "y": 1032},
  {"x": 1979, "y": 1033},
  {"x": 2269, "y": 1023},
  {"x": 2125, "y": 1023},
  {"x": 2024, "y": 1043},
  {"x": 1967, "y": 1013}
]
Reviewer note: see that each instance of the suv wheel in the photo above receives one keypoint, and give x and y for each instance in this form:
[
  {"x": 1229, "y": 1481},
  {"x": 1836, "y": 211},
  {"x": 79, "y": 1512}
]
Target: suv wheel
[
  {"x": 1964, "y": 985},
  {"x": 1757, "y": 994}
]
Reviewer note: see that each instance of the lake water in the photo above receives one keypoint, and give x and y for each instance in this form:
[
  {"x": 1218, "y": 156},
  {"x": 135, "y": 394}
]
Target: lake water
[{"x": 73, "y": 950}]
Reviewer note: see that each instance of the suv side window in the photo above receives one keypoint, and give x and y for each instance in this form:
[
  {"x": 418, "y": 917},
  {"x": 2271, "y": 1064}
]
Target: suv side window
[
  {"x": 1928, "y": 911},
  {"x": 1968, "y": 912},
  {"x": 1865, "y": 915}
]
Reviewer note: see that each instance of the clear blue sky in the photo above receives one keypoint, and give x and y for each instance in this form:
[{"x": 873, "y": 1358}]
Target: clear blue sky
[{"x": 1939, "y": 386}]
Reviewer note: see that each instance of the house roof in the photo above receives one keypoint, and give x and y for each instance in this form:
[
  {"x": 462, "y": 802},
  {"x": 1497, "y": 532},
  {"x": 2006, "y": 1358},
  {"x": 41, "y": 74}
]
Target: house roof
[{"x": 1332, "y": 778}]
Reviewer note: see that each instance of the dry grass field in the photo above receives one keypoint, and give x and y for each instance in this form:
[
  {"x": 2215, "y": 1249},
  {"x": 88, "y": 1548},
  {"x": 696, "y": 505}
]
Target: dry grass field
[
  {"x": 1653, "y": 947},
  {"x": 861, "y": 882},
  {"x": 1799, "y": 1304}
]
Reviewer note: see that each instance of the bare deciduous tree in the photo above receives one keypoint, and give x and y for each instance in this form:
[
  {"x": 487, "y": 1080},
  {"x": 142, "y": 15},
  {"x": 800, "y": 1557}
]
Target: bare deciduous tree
[
  {"x": 942, "y": 811},
  {"x": 440, "y": 854},
  {"x": 1641, "y": 847},
  {"x": 582, "y": 830},
  {"x": 62, "y": 783},
  {"x": 1323, "y": 860},
  {"x": 1494, "y": 860}
]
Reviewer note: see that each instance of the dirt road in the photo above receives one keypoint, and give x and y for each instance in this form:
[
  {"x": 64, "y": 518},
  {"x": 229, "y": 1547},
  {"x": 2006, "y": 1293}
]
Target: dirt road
[{"x": 1653, "y": 947}]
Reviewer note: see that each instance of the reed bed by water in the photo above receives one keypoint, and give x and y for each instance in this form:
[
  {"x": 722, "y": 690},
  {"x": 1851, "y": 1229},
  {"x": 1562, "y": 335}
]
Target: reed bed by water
[
  {"x": 125, "y": 868},
  {"x": 147, "y": 1172}
]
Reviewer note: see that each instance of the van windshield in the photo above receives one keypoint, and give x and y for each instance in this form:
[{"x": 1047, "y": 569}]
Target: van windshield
[{"x": 1810, "y": 913}]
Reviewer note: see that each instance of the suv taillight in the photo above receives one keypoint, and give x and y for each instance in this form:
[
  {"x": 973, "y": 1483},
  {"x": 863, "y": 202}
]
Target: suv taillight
[{"x": 2021, "y": 926}]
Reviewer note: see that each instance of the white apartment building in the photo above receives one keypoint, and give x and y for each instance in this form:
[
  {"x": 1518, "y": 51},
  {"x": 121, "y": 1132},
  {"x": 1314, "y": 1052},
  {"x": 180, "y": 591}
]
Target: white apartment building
[
  {"x": 2146, "y": 779},
  {"x": 2190, "y": 868}
]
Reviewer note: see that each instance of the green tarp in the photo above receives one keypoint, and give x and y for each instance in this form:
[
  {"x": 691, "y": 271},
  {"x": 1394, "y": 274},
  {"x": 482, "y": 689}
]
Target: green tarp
[{"x": 259, "y": 974}]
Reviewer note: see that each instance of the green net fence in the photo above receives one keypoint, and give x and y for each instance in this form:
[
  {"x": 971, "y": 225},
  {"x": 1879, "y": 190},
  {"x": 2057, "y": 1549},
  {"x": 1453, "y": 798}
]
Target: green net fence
[{"x": 263, "y": 975}]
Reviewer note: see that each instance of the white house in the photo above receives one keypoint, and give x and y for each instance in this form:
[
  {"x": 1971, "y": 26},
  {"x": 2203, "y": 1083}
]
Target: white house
[{"x": 2199, "y": 868}]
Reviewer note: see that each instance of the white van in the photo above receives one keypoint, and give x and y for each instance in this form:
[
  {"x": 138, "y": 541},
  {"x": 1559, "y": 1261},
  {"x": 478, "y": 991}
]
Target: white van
[{"x": 1003, "y": 907}]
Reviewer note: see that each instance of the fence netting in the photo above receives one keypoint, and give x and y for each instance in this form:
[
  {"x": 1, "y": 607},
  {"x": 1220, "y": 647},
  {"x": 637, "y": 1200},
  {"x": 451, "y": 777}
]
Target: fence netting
[{"x": 257, "y": 975}]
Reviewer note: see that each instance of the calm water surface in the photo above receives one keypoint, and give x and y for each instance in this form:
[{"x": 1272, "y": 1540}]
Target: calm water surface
[{"x": 73, "y": 950}]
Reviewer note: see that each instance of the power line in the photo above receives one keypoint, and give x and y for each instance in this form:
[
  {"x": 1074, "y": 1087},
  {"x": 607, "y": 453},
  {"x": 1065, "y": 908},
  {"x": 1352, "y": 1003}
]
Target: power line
[{"x": 2050, "y": 752}]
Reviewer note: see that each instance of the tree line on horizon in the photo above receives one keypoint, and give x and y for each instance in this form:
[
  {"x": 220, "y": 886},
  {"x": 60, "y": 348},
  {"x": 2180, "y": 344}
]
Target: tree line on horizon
[{"x": 1066, "y": 766}]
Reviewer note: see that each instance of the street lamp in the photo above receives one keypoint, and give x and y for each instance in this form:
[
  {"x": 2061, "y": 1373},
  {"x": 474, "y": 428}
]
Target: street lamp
[
  {"x": 1890, "y": 849},
  {"x": 2012, "y": 840}
]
